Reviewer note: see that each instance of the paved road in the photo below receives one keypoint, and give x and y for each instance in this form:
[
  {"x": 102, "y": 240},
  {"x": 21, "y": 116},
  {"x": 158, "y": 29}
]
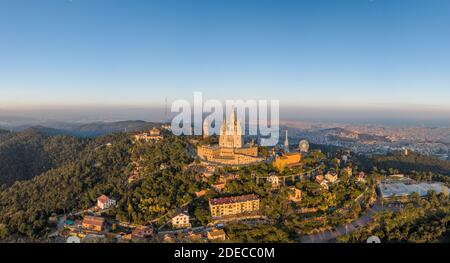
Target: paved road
[
  {"x": 199, "y": 229},
  {"x": 331, "y": 235}
]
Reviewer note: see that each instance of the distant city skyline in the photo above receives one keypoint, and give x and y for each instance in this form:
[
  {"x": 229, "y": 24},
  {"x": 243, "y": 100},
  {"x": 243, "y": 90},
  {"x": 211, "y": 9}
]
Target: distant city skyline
[
  {"x": 383, "y": 116},
  {"x": 377, "y": 59}
]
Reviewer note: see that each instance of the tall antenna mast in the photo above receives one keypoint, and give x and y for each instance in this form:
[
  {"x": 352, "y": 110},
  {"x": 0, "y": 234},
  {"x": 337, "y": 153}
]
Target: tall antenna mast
[{"x": 165, "y": 111}]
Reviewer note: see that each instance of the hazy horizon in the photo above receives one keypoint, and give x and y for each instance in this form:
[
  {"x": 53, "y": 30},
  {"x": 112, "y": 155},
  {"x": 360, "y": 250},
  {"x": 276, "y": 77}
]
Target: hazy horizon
[{"x": 427, "y": 116}]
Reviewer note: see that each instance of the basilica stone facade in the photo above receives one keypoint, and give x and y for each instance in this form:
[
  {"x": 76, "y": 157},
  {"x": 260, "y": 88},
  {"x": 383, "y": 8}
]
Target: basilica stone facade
[{"x": 231, "y": 149}]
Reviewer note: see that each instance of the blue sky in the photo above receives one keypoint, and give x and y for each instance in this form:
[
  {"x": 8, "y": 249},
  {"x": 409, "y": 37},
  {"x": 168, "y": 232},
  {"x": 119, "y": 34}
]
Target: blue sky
[{"x": 373, "y": 54}]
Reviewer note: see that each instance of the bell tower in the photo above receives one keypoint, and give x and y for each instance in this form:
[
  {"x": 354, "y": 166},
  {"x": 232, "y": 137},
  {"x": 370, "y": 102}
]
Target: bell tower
[{"x": 206, "y": 128}]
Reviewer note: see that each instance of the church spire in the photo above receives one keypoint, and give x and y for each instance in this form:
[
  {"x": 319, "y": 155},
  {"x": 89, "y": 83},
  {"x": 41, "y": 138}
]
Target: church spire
[{"x": 231, "y": 132}]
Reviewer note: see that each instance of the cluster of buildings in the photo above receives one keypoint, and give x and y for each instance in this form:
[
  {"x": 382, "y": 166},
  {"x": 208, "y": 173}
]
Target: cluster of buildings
[
  {"x": 327, "y": 179},
  {"x": 231, "y": 150},
  {"x": 208, "y": 234},
  {"x": 152, "y": 135},
  {"x": 91, "y": 225},
  {"x": 181, "y": 221},
  {"x": 332, "y": 177},
  {"x": 372, "y": 140}
]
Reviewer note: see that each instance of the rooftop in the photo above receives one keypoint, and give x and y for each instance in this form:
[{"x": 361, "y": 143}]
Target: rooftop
[
  {"x": 103, "y": 199},
  {"x": 93, "y": 220},
  {"x": 233, "y": 199},
  {"x": 182, "y": 213},
  {"x": 216, "y": 233},
  {"x": 400, "y": 188},
  {"x": 291, "y": 154}
]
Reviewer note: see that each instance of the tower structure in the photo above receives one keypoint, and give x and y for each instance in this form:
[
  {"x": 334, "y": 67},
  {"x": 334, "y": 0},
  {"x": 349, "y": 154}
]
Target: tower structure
[
  {"x": 231, "y": 132},
  {"x": 286, "y": 142},
  {"x": 206, "y": 128}
]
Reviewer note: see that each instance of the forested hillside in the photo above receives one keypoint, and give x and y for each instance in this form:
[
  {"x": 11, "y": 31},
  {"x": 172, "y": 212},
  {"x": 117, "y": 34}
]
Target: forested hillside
[
  {"x": 26, "y": 206},
  {"x": 103, "y": 168},
  {"x": 411, "y": 162},
  {"x": 26, "y": 154}
]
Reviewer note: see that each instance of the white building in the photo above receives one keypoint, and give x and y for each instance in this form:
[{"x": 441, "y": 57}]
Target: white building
[
  {"x": 331, "y": 177},
  {"x": 274, "y": 180},
  {"x": 104, "y": 202},
  {"x": 181, "y": 220},
  {"x": 403, "y": 187}
]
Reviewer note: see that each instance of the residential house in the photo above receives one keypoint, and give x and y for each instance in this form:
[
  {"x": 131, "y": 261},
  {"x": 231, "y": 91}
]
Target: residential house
[
  {"x": 142, "y": 232},
  {"x": 331, "y": 177},
  {"x": 217, "y": 234},
  {"x": 274, "y": 180},
  {"x": 104, "y": 202},
  {"x": 181, "y": 220},
  {"x": 219, "y": 186},
  {"x": 194, "y": 236},
  {"x": 93, "y": 223},
  {"x": 295, "y": 194},
  {"x": 320, "y": 178},
  {"x": 200, "y": 193}
]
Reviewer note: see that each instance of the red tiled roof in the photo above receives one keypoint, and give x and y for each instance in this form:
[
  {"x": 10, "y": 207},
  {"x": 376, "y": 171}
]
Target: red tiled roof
[
  {"x": 93, "y": 220},
  {"x": 233, "y": 199},
  {"x": 142, "y": 231},
  {"x": 103, "y": 199},
  {"x": 183, "y": 213}
]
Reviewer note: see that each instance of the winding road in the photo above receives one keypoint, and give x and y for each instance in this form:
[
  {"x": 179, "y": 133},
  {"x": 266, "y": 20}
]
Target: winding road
[{"x": 331, "y": 235}]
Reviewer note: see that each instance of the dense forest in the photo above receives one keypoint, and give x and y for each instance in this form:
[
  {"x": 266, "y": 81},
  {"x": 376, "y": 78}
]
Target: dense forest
[
  {"x": 76, "y": 171},
  {"x": 26, "y": 205},
  {"x": 26, "y": 154},
  {"x": 406, "y": 163}
]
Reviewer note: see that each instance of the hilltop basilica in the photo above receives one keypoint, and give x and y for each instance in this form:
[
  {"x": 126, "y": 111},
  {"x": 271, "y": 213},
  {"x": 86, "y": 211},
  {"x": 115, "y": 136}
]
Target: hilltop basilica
[{"x": 231, "y": 149}]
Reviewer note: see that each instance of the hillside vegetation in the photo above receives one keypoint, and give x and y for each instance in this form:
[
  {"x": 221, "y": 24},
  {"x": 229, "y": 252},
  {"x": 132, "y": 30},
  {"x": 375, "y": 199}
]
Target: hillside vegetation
[{"x": 26, "y": 154}]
